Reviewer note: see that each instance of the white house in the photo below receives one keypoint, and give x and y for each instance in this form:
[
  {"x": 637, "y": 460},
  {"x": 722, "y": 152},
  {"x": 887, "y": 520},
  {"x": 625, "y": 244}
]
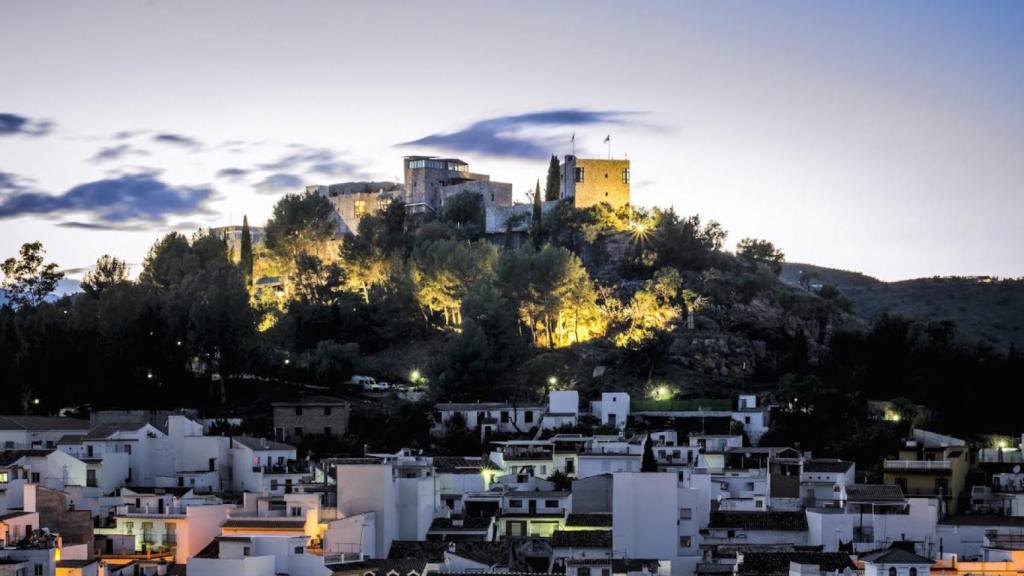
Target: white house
[
  {"x": 612, "y": 410},
  {"x": 28, "y": 432},
  {"x": 895, "y": 561},
  {"x": 264, "y": 466}
]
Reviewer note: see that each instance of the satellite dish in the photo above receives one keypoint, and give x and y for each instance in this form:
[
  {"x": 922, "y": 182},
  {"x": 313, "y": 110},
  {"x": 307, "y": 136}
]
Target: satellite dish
[{"x": 1016, "y": 468}]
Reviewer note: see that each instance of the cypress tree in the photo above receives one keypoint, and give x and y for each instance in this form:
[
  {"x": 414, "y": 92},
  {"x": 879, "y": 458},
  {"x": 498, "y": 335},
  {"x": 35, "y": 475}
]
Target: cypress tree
[
  {"x": 245, "y": 258},
  {"x": 535, "y": 222},
  {"x": 551, "y": 190}
]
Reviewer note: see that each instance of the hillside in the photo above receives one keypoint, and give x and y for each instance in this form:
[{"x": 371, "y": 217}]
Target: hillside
[{"x": 984, "y": 309}]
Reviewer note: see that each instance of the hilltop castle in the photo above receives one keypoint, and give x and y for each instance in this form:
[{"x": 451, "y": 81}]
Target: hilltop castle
[{"x": 431, "y": 180}]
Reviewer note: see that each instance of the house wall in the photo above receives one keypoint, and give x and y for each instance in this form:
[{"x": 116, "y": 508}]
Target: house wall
[
  {"x": 645, "y": 514},
  {"x": 415, "y": 507},
  {"x": 74, "y": 526},
  {"x": 202, "y": 526},
  {"x": 592, "y": 495},
  {"x": 592, "y": 465},
  {"x": 248, "y": 566},
  {"x": 371, "y": 488},
  {"x": 313, "y": 420}
]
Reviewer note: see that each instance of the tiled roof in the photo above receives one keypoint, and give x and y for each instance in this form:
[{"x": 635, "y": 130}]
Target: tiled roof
[
  {"x": 538, "y": 494},
  {"x": 11, "y": 456},
  {"x": 589, "y": 520},
  {"x": 12, "y": 515},
  {"x": 485, "y": 406},
  {"x": 772, "y": 563},
  {"x": 465, "y": 525},
  {"x": 490, "y": 553},
  {"x": 581, "y": 539},
  {"x": 461, "y": 465},
  {"x": 42, "y": 423},
  {"x": 786, "y": 521},
  {"x": 827, "y": 466},
  {"x": 276, "y": 524},
  {"x": 261, "y": 443},
  {"x": 313, "y": 401},
  {"x": 431, "y": 550},
  {"x": 895, "y": 555},
  {"x": 874, "y": 493}
]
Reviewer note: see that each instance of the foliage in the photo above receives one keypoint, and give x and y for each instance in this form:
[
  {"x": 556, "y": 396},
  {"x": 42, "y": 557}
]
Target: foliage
[
  {"x": 465, "y": 212},
  {"x": 110, "y": 271},
  {"x": 245, "y": 251},
  {"x": 27, "y": 280},
  {"x": 300, "y": 223},
  {"x": 653, "y": 308},
  {"x": 334, "y": 363},
  {"x": 552, "y": 184},
  {"x": 761, "y": 252},
  {"x": 536, "y": 225}
]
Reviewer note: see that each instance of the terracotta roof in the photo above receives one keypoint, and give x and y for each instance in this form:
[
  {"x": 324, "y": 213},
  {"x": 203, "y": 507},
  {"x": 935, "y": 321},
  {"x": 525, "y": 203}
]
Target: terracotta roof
[
  {"x": 772, "y": 563},
  {"x": 42, "y": 423},
  {"x": 589, "y": 520},
  {"x": 827, "y": 466},
  {"x": 874, "y": 493},
  {"x": 261, "y": 443},
  {"x": 581, "y": 539},
  {"x": 785, "y": 521},
  {"x": 465, "y": 525},
  {"x": 895, "y": 555},
  {"x": 264, "y": 523}
]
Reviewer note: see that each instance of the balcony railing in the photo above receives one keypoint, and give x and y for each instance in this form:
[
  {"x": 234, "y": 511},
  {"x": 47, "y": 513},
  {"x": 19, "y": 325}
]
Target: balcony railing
[
  {"x": 129, "y": 510},
  {"x": 918, "y": 465}
]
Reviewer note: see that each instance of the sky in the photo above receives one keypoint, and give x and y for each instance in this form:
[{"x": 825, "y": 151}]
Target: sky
[{"x": 880, "y": 137}]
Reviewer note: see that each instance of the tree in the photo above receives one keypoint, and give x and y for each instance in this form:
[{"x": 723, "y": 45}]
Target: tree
[
  {"x": 761, "y": 252},
  {"x": 536, "y": 231},
  {"x": 169, "y": 260},
  {"x": 110, "y": 271},
  {"x": 300, "y": 223},
  {"x": 647, "y": 462},
  {"x": 551, "y": 187},
  {"x": 313, "y": 280},
  {"x": 27, "y": 280},
  {"x": 465, "y": 212},
  {"x": 334, "y": 363},
  {"x": 245, "y": 256}
]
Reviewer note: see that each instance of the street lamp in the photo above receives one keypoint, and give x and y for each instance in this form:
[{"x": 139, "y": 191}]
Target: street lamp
[
  {"x": 552, "y": 380},
  {"x": 415, "y": 376}
]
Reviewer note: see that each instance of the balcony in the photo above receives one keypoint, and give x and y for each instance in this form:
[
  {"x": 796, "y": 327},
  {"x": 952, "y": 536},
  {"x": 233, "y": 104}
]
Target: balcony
[
  {"x": 919, "y": 465},
  {"x": 166, "y": 511}
]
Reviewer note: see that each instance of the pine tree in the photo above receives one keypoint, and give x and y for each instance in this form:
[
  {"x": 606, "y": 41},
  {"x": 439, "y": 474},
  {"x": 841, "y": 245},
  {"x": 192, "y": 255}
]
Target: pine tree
[
  {"x": 551, "y": 190},
  {"x": 535, "y": 223},
  {"x": 245, "y": 258}
]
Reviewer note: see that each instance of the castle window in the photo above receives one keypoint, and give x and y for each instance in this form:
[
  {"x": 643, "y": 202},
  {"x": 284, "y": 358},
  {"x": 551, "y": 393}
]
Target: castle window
[
  {"x": 579, "y": 174},
  {"x": 360, "y": 208},
  {"x": 625, "y": 175}
]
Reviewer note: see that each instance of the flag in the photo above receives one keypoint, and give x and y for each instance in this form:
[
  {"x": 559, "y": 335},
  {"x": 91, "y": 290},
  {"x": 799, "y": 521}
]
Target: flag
[{"x": 607, "y": 138}]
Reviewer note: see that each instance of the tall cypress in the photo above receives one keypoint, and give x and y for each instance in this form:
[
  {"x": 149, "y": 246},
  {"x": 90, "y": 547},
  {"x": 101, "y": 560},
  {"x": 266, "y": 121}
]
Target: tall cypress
[
  {"x": 535, "y": 223},
  {"x": 245, "y": 258},
  {"x": 551, "y": 188}
]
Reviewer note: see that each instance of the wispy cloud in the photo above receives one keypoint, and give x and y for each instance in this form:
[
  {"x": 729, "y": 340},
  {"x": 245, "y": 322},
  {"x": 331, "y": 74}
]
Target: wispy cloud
[
  {"x": 14, "y": 125},
  {"x": 116, "y": 152},
  {"x": 13, "y": 184},
  {"x": 279, "y": 182},
  {"x": 121, "y": 201},
  {"x": 310, "y": 160},
  {"x": 232, "y": 174},
  {"x": 524, "y": 136},
  {"x": 176, "y": 139}
]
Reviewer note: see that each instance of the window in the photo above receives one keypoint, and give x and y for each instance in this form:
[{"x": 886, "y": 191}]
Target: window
[
  {"x": 685, "y": 513},
  {"x": 625, "y": 175},
  {"x": 504, "y": 416},
  {"x": 684, "y": 541},
  {"x": 606, "y": 572},
  {"x": 298, "y": 410},
  {"x": 360, "y": 208},
  {"x": 892, "y": 571},
  {"x": 3, "y": 477},
  {"x": 529, "y": 416},
  {"x": 296, "y": 511},
  {"x": 327, "y": 410},
  {"x": 298, "y": 549},
  {"x": 551, "y": 503},
  {"x": 515, "y": 503},
  {"x": 273, "y": 484},
  {"x": 913, "y": 572},
  {"x": 35, "y": 477},
  {"x": 298, "y": 430},
  {"x": 246, "y": 551},
  {"x": 38, "y": 569},
  {"x": 730, "y": 534},
  {"x": 583, "y": 571},
  {"x": 90, "y": 478},
  {"x": 579, "y": 174}
]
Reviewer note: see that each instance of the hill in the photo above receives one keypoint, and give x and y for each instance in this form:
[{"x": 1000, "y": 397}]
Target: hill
[{"x": 986, "y": 309}]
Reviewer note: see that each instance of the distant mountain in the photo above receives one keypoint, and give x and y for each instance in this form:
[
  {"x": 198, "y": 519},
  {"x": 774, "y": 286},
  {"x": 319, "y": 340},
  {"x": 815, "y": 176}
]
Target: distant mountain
[
  {"x": 64, "y": 287},
  {"x": 983, "y": 308}
]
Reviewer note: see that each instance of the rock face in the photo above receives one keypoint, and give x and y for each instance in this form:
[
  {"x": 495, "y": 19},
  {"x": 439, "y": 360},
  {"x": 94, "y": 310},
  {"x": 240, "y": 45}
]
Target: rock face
[{"x": 718, "y": 354}]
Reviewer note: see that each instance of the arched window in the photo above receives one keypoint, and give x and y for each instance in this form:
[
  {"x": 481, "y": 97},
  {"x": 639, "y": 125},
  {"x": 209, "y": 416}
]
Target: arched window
[
  {"x": 892, "y": 571},
  {"x": 913, "y": 572}
]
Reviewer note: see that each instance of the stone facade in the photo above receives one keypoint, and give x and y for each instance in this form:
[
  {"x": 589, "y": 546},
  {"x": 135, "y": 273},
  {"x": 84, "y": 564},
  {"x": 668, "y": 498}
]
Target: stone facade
[
  {"x": 590, "y": 181},
  {"x": 294, "y": 420},
  {"x": 353, "y": 200}
]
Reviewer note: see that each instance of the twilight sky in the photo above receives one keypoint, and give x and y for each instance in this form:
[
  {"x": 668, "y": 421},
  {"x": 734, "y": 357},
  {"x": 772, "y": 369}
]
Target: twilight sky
[{"x": 881, "y": 137}]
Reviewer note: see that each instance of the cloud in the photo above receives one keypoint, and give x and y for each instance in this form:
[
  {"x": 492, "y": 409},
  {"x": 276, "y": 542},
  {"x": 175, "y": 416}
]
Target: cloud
[
  {"x": 13, "y": 184},
  {"x": 322, "y": 161},
  {"x": 127, "y": 200},
  {"x": 176, "y": 139},
  {"x": 524, "y": 136},
  {"x": 116, "y": 152},
  {"x": 13, "y": 125},
  {"x": 278, "y": 182},
  {"x": 232, "y": 173},
  {"x": 97, "y": 226}
]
